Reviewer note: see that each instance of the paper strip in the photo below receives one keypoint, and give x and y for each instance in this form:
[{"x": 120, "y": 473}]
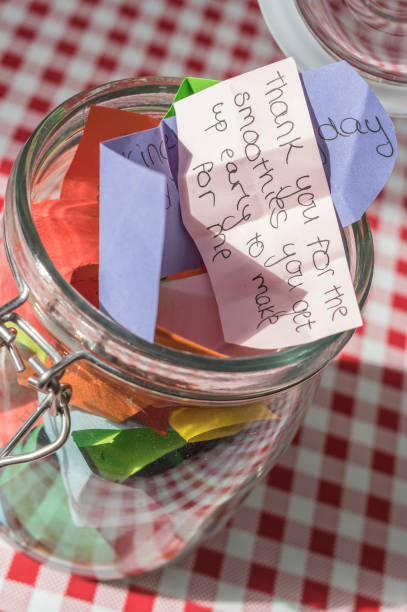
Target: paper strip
[
  {"x": 189, "y": 86},
  {"x": 132, "y": 242},
  {"x": 356, "y": 137},
  {"x": 85, "y": 279},
  {"x": 188, "y": 307},
  {"x": 154, "y": 150},
  {"x": 24, "y": 340},
  {"x": 117, "y": 456},
  {"x": 76, "y": 221},
  {"x": 99, "y": 394},
  {"x": 155, "y": 416},
  {"x": 82, "y": 178},
  {"x": 199, "y": 423},
  {"x": 255, "y": 199}
]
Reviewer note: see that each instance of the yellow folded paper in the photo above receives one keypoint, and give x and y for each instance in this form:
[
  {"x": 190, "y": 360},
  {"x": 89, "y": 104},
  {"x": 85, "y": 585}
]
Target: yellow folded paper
[{"x": 200, "y": 423}]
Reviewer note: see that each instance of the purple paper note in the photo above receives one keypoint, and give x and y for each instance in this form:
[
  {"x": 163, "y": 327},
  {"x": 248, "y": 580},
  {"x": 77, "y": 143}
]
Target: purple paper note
[
  {"x": 169, "y": 135},
  {"x": 157, "y": 150},
  {"x": 132, "y": 226},
  {"x": 356, "y": 137}
]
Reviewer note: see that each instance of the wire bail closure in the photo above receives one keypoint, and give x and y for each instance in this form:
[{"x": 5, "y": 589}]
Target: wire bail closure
[
  {"x": 56, "y": 395},
  {"x": 60, "y": 402},
  {"x": 46, "y": 379}
]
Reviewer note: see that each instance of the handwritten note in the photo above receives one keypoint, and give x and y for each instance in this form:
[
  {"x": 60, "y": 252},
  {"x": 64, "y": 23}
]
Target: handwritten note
[
  {"x": 255, "y": 199},
  {"x": 355, "y": 135},
  {"x": 357, "y": 144},
  {"x": 157, "y": 151}
]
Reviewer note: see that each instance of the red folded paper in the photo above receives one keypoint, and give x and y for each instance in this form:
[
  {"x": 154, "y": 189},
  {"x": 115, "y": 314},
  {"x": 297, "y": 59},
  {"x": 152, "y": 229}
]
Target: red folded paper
[
  {"x": 82, "y": 178},
  {"x": 69, "y": 230}
]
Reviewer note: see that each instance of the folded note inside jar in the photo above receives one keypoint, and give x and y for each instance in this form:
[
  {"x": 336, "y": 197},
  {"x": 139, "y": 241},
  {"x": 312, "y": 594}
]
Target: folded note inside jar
[
  {"x": 119, "y": 454},
  {"x": 199, "y": 423},
  {"x": 82, "y": 178}
]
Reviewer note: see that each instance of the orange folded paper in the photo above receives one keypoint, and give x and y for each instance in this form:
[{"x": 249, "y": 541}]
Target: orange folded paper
[{"x": 95, "y": 391}]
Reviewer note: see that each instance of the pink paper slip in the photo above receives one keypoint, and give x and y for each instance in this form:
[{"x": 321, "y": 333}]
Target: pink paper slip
[
  {"x": 255, "y": 199},
  {"x": 187, "y": 307}
]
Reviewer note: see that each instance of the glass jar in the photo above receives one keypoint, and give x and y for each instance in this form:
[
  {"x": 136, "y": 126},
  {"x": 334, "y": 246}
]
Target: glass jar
[{"x": 58, "y": 509}]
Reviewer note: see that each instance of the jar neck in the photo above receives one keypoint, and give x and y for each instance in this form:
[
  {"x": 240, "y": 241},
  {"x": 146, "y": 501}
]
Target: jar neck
[{"x": 76, "y": 324}]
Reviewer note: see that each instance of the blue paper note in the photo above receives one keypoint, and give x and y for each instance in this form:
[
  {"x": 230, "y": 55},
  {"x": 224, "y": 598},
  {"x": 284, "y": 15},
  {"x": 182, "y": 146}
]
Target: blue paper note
[
  {"x": 355, "y": 135},
  {"x": 132, "y": 226}
]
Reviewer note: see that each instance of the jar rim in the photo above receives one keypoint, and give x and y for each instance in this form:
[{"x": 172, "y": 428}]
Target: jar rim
[{"x": 22, "y": 187}]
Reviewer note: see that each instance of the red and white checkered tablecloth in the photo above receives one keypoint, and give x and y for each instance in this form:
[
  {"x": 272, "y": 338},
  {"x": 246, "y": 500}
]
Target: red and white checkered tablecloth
[{"x": 327, "y": 529}]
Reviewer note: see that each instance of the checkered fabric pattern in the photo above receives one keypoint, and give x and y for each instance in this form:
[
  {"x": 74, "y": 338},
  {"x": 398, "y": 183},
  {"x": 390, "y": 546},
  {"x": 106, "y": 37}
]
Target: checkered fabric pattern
[{"x": 327, "y": 528}]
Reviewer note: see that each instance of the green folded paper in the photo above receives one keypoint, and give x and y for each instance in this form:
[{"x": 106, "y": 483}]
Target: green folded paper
[
  {"x": 189, "y": 86},
  {"x": 23, "y": 339},
  {"x": 119, "y": 454}
]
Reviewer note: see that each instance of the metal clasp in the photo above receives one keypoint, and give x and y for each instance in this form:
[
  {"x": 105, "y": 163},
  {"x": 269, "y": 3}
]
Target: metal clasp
[
  {"x": 60, "y": 403},
  {"x": 56, "y": 395},
  {"x": 47, "y": 379}
]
